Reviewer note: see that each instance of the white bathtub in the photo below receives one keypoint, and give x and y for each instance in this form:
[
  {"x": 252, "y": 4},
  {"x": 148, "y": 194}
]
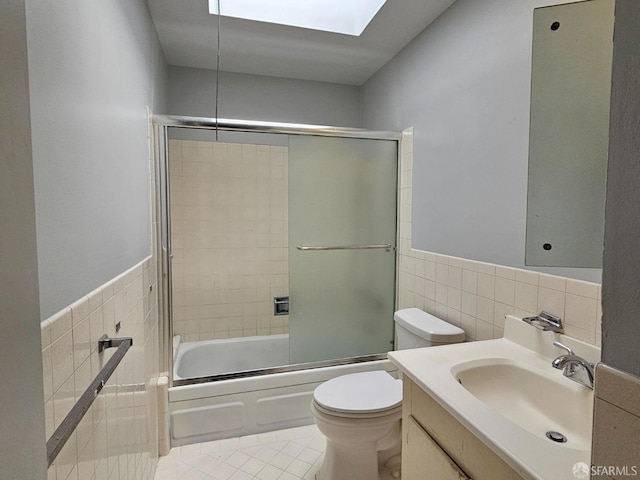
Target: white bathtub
[
  {"x": 213, "y": 357},
  {"x": 203, "y": 412}
]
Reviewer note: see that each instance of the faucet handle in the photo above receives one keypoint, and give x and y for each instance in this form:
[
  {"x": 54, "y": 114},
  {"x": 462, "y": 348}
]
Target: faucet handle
[{"x": 564, "y": 347}]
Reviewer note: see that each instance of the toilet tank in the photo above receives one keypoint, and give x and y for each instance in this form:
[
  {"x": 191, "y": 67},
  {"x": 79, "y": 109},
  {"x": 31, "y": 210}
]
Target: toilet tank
[{"x": 416, "y": 328}]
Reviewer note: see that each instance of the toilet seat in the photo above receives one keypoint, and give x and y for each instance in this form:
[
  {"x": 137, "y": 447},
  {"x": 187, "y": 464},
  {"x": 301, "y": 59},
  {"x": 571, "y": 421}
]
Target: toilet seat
[
  {"x": 365, "y": 394},
  {"x": 360, "y": 415}
]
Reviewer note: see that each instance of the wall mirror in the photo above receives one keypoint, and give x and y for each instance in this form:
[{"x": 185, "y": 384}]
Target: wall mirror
[{"x": 569, "y": 133}]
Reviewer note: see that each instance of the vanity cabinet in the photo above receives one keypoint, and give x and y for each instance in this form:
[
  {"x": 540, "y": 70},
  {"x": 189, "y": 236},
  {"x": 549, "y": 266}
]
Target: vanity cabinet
[
  {"x": 435, "y": 446},
  {"x": 426, "y": 458}
]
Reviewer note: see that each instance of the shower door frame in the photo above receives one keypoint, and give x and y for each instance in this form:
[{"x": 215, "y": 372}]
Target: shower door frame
[{"x": 161, "y": 125}]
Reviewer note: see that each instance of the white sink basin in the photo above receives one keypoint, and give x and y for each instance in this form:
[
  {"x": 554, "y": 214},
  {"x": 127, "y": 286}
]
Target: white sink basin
[
  {"x": 538, "y": 403},
  {"x": 506, "y": 392}
]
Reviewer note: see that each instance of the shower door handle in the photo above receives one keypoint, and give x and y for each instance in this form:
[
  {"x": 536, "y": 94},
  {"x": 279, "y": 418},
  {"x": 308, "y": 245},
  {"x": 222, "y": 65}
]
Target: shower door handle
[{"x": 385, "y": 246}]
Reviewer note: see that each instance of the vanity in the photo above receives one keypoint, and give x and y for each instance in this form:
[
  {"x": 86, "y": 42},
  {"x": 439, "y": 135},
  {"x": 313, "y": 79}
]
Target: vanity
[
  {"x": 436, "y": 445},
  {"x": 495, "y": 409}
]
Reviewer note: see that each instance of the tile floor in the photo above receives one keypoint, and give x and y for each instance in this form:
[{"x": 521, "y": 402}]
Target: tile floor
[{"x": 291, "y": 454}]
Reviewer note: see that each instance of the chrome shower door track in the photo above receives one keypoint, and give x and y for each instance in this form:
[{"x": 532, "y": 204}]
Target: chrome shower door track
[
  {"x": 287, "y": 368},
  {"x": 256, "y": 126}
]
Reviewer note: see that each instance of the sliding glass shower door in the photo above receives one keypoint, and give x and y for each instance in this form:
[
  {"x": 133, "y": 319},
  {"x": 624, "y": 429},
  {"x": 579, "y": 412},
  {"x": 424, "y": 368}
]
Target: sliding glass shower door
[{"x": 342, "y": 239}]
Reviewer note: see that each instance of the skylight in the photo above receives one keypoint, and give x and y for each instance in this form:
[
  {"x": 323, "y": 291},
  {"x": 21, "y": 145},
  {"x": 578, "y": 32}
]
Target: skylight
[{"x": 349, "y": 17}]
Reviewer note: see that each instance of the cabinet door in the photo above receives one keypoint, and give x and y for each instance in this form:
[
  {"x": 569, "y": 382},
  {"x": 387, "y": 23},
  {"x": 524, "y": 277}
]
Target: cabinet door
[{"x": 423, "y": 459}]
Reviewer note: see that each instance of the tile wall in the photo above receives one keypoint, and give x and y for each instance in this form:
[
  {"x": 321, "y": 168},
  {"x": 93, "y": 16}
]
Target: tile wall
[
  {"x": 477, "y": 296},
  {"x": 229, "y": 211},
  {"x": 616, "y": 423},
  {"x": 117, "y": 438}
]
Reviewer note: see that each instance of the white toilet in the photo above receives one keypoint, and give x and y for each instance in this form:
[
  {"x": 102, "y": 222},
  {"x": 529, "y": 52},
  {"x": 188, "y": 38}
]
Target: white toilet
[{"x": 360, "y": 413}]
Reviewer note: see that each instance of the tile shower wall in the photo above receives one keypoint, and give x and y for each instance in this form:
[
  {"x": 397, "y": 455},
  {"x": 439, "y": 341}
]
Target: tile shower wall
[
  {"x": 477, "y": 296},
  {"x": 117, "y": 438},
  {"x": 229, "y": 235}
]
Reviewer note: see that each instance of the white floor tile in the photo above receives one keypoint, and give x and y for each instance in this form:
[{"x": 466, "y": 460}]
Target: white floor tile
[
  {"x": 249, "y": 440},
  {"x": 281, "y": 460},
  {"x": 318, "y": 443},
  {"x": 222, "y": 455},
  {"x": 288, "y": 476},
  {"x": 291, "y": 454},
  {"x": 278, "y": 444},
  {"x": 266, "y": 454},
  {"x": 253, "y": 466},
  {"x": 194, "y": 474},
  {"x": 298, "y": 468},
  {"x": 206, "y": 464},
  {"x": 309, "y": 455},
  {"x": 240, "y": 475},
  {"x": 292, "y": 449},
  {"x": 222, "y": 472},
  {"x": 269, "y": 473},
  {"x": 238, "y": 459}
]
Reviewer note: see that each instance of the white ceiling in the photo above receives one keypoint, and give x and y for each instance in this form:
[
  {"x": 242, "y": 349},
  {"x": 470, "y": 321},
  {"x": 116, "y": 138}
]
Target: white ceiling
[{"x": 188, "y": 35}]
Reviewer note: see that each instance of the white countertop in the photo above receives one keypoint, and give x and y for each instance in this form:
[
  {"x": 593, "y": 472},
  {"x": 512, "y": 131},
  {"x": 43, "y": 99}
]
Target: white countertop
[{"x": 530, "y": 454}]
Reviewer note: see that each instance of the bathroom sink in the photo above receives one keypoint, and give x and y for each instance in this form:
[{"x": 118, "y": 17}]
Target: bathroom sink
[
  {"x": 537, "y": 402},
  {"x": 506, "y": 392}
]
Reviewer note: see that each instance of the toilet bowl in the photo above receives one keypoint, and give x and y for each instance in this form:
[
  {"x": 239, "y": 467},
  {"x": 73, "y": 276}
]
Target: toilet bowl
[
  {"x": 360, "y": 416},
  {"x": 360, "y": 413}
]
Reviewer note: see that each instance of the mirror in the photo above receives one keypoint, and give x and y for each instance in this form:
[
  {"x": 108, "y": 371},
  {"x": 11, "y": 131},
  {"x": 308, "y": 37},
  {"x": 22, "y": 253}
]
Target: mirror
[{"x": 569, "y": 133}]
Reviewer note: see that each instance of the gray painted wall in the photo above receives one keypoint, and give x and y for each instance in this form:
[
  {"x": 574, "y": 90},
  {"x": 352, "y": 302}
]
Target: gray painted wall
[
  {"x": 22, "y": 445},
  {"x": 252, "y": 97},
  {"x": 621, "y": 272},
  {"x": 93, "y": 67},
  {"x": 464, "y": 85}
]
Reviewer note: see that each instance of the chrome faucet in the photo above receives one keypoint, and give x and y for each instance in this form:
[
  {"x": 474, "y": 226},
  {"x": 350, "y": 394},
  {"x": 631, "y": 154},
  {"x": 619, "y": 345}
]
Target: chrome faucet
[{"x": 574, "y": 367}]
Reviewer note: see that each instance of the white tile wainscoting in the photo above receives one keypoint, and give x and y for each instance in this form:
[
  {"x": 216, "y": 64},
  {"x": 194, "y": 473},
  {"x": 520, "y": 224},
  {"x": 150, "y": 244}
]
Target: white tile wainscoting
[
  {"x": 477, "y": 296},
  {"x": 118, "y": 437}
]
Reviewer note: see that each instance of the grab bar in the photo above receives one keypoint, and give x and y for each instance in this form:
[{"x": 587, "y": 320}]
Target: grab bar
[
  {"x": 73, "y": 418},
  {"x": 347, "y": 247}
]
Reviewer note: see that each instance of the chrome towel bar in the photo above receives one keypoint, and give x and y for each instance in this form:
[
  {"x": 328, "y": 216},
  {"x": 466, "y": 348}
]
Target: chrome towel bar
[
  {"x": 73, "y": 418},
  {"x": 105, "y": 342},
  {"x": 346, "y": 247}
]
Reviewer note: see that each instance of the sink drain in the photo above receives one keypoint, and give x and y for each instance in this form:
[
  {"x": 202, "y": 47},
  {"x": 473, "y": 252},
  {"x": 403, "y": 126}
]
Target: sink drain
[{"x": 556, "y": 437}]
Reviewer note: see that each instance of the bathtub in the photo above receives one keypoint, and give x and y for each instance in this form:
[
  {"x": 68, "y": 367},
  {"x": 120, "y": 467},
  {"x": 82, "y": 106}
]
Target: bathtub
[
  {"x": 202, "y": 412},
  {"x": 214, "y": 357}
]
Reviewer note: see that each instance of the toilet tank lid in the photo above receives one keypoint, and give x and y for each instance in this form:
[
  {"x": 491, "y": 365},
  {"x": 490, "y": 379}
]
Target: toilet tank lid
[{"x": 427, "y": 326}]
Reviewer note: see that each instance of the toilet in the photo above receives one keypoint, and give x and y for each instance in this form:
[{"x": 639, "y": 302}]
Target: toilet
[{"x": 360, "y": 413}]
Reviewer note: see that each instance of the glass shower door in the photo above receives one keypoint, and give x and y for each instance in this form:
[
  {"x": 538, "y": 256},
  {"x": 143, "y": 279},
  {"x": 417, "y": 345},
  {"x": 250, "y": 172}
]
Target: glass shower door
[{"x": 342, "y": 239}]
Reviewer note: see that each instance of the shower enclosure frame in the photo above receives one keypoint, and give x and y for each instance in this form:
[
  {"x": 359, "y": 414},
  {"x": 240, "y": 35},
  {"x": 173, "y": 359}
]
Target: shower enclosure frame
[{"x": 161, "y": 124}]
